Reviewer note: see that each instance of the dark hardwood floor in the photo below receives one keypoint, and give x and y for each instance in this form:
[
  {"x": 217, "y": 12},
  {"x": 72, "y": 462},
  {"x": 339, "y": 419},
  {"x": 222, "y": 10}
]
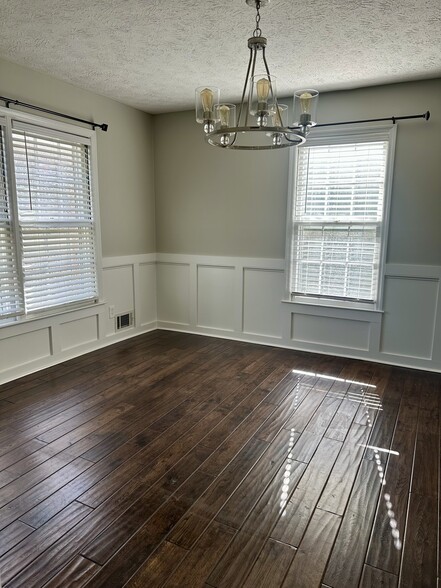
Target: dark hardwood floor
[{"x": 174, "y": 460}]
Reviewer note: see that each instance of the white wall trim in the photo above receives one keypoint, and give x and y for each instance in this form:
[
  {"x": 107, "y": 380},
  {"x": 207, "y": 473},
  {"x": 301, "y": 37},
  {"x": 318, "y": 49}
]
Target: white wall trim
[
  {"x": 219, "y": 260},
  {"x": 40, "y": 342},
  {"x": 350, "y": 332},
  {"x": 234, "y": 298},
  {"x": 424, "y": 272},
  {"x": 129, "y": 260}
]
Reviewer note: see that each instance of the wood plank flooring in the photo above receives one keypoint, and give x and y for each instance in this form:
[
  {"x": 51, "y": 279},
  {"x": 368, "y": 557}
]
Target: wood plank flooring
[{"x": 175, "y": 460}]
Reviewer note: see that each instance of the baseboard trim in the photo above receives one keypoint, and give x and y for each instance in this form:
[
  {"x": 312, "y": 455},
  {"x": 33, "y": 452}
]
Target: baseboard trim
[
  {"x": 283, "y": 345},
  {"x": 47, "y": 362}
]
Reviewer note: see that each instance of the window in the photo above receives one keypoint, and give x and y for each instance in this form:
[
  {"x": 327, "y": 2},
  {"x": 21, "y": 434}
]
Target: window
[
  {"x": 48, "y": 243},
  {"x": 337, "y": 226}
]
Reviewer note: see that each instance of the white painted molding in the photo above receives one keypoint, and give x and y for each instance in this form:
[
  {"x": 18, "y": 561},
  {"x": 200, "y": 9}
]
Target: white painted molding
[
  {"x": 358, "y": 314},
  {"x": 358, "y": 331},
  {"x": 75, "y": 331},
  {"x": 59, "y": 357},
  {"x": 129, "y": 260},
  {"x": 423, "y": 272},
  {"x": 215, "y": 260},
  {"x": 239, "y": 299}
]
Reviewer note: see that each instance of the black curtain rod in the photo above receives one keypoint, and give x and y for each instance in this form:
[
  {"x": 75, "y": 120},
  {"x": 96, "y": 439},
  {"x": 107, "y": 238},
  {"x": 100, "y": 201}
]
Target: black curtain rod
[
  {"x": 394, "y": 119},
  {"x": 104, "y": 126},
  {"x": 9, "y": 101}
]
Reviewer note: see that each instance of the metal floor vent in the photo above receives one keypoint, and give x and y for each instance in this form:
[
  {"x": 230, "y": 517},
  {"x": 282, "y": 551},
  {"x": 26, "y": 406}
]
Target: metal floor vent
[{"x": 124, "y": 320}]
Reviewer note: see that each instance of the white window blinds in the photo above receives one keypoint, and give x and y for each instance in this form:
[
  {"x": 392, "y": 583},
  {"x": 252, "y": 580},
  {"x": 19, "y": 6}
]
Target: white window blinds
[
  {"x": 10, "y": 288},
  {"x": 55, "y": 212},
  {"x": 337, "y": 220}
]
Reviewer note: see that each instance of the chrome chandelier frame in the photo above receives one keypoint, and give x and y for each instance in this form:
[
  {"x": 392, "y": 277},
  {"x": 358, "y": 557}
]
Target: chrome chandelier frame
[
  {"x": 292, "y": 136},
  {"x": 242, "y": 134},
  {"x": 277, "y": 136}
]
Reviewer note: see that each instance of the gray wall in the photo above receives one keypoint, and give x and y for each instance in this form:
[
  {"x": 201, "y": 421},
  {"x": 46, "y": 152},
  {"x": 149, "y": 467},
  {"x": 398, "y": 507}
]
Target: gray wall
[
  {"x": 125, "y": 155},
  {"x": 215, "y": 202}
]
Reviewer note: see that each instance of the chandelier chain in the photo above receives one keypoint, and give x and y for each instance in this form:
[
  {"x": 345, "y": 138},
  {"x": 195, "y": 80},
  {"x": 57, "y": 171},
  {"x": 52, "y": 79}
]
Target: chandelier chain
[{"x": 257, "y": 31}]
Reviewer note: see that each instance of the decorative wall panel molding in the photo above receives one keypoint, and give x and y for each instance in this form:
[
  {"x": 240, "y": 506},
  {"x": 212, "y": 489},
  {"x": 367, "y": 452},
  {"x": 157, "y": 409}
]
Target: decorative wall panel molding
[
  {"x": 215, "y": 297},
  {"x": 410, "y": 308},
  {"x": 129, "y": 285},
  {"x": 241, "y": 298},
  {"x": 235, "y": 298},
  {"x": 263, "y": 289},
  {"x": 348, "y": 334},
  {"x": 173, "y": 292},
  {"x": 78, "y": 332}
]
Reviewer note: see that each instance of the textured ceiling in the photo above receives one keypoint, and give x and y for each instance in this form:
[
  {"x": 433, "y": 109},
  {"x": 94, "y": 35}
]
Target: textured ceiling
[{"x": 151, "y": 54}]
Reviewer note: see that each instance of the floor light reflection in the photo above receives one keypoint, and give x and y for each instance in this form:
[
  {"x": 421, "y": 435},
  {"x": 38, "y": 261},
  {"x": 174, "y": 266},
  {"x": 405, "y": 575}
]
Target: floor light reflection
[
  {"x": 370, "y": 401},
  {"x": 390, "y": 513},
  {"x": 287, "y": 475},
  {"x": 326, "y": 377}
]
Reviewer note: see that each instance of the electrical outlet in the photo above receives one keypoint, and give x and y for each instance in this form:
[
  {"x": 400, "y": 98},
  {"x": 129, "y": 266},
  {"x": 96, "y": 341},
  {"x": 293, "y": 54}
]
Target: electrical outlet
[{"x": 111, "y": 312}]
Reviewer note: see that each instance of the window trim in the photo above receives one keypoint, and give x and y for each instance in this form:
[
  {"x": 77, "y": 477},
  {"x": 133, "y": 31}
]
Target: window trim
[
  {"x": 82, "y": 133},
  {"x": 323, "y": 136}
]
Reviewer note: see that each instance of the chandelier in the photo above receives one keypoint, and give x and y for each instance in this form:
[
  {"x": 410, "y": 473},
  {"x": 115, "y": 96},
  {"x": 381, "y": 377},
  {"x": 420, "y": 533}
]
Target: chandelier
[{"x": 262, "y": 122}]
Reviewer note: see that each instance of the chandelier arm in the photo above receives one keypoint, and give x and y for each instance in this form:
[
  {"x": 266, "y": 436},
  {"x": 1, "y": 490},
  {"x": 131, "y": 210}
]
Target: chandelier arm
[
  {"x": 251, "y": 77},
  {"x": 247, "y": 77},
  {"x": 271, "y": 86},
  {"x": 293, "y": 141}
]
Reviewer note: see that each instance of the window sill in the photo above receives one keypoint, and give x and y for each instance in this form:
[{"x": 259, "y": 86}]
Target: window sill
[
  {"x": 334, "y": 304},
  {"x": 24, "y": 320},
  {"x": 328, "y": 309}
]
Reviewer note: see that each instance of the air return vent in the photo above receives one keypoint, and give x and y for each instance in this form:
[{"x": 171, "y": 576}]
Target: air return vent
[{"x": 124, "y": 320}]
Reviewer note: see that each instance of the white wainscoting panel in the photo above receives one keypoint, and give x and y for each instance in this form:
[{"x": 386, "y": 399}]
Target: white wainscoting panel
[
  {"x": 173, "y": 293},
  {"x": 215, "y": 297},
  {"x": 146, "y": 307},
  {"x": 24, "y": 349},
  {"x": 410, "y": 308},
  {"x": 78, "y": 332},
  {"x": 119, "y": 288},
  {"x": 263, "y": 290},
  {"x": 235, "y": 298},
  {"x": 330, "y": 331},
  {"x": 129, "y": 284},
  {"x": 241, "y": 298}
]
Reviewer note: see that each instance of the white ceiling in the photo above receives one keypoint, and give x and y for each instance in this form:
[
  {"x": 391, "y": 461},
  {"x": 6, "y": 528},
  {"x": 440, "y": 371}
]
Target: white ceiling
[{"x": 151, "y": 54}]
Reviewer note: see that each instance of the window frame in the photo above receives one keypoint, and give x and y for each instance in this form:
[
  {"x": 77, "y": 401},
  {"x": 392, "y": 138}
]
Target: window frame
[
  {"x": 8, "y": 116},
  {"x": 332, "y": 136}
]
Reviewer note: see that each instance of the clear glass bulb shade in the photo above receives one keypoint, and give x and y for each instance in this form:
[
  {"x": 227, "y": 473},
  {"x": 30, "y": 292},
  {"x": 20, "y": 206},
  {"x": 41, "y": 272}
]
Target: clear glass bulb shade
[
  {"x": 207, "y": 99},
  {"x": 225, "y": 115},
  {"x": 262, "y": 96},
  {"x": 305, "y": 107},
  {"x": 279, "y": 118}
]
